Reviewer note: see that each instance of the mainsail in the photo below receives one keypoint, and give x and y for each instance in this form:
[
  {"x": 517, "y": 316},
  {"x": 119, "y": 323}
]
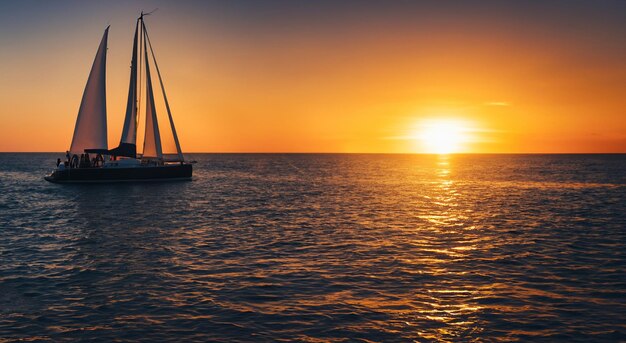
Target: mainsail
[
  {"x": 179, "y": 152},
  {"x": 128, "y": 142},
  {"x": 90, "y": 131},
  {"x": 152, "y": 140}
]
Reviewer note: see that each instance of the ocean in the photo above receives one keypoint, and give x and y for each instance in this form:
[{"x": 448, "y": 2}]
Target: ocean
[{"x": 319, "y": 248}]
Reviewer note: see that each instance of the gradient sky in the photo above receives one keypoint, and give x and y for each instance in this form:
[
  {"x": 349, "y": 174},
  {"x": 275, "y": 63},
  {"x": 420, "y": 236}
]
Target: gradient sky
[{"x": 328, "y": 76}]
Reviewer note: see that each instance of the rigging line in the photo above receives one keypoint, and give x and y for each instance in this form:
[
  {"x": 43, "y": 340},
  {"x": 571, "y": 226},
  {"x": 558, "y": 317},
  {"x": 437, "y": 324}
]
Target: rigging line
[
  {"x": 167, "y": 104},
  {"x": 149, "y": 13}
]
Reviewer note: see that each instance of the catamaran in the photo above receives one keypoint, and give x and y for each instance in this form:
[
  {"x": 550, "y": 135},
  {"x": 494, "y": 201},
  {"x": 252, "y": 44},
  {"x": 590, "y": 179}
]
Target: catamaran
[{"x": 89, "y": 159}]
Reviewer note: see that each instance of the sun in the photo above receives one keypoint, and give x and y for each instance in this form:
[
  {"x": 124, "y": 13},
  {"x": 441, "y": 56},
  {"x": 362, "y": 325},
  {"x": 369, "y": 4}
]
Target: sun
[{"x": 442, "y": 136}]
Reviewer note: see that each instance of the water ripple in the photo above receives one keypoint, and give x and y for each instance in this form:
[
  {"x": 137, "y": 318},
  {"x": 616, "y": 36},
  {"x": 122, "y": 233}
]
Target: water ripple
[{"x": 320, "y": 248}]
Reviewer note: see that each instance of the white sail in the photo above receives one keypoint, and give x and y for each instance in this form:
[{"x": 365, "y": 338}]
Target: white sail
[
  {"x": 129, "y": 132},
  {"x": 90, "y": 131},
  {"x": 152, "y": 138},
  {"x": 179, "y": 152}
]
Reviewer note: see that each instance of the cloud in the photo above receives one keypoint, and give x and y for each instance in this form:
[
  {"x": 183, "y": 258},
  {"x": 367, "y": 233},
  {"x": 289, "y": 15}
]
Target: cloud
[{"x": 498, "y": 103}]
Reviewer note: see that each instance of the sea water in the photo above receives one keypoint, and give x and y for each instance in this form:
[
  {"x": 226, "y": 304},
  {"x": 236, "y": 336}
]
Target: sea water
[{"x": 319, "y": 247}]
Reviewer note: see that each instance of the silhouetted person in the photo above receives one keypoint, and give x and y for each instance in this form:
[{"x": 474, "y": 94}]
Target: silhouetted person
[{"x": 58, "y": 161}]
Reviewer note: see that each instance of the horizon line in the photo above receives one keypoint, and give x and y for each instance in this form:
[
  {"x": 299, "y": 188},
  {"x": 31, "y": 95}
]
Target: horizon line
[{"x": 354, "y": 153}]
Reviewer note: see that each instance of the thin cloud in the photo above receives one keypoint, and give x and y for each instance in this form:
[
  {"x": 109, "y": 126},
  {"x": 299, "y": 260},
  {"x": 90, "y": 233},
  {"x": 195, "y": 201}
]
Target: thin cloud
[{"x": 498, "y": 103}]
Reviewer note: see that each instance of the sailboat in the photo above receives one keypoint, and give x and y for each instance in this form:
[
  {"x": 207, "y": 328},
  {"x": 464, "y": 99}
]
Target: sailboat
[{"x": 89, "y": 159}]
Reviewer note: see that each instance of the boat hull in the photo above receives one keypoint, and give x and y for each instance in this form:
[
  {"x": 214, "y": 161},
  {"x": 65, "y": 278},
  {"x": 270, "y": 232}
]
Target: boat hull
[{"x": 132, "y": 174}]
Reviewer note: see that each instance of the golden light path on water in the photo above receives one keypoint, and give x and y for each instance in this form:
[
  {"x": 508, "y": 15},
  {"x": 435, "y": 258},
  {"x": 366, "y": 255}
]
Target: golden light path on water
[{"x": 448, "y": 305}]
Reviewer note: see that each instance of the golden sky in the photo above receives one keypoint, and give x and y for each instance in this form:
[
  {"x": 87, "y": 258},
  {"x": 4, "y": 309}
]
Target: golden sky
[{"x": 322, "y": 76}]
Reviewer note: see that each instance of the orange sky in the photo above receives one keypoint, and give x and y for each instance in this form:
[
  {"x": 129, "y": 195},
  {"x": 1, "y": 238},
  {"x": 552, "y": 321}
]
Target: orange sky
[{"x": 291, "y": 76}]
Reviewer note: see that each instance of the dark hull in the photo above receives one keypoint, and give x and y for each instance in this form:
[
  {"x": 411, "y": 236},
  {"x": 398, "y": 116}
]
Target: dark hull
[{"x": 154, "y": 173}]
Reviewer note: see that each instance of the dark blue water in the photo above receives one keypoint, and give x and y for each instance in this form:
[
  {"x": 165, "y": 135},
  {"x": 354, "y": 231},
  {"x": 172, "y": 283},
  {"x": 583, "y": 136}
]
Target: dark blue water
[{"x": 315, "y": 248}]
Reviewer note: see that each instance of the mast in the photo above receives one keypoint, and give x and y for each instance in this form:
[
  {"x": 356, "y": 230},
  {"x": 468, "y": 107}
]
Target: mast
[{"x": 90, "y": 131}]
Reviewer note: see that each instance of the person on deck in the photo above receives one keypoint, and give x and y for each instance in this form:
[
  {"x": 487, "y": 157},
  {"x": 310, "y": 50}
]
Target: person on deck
[{"x": 83, "y": 161}]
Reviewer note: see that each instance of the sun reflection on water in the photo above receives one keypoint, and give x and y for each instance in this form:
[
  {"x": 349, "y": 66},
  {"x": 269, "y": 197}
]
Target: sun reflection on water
[{"x": 447, "y": 309}]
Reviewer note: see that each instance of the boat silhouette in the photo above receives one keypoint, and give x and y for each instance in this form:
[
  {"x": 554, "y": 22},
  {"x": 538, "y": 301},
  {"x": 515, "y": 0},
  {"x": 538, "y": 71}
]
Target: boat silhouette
[{"x": 89, "y": 159}]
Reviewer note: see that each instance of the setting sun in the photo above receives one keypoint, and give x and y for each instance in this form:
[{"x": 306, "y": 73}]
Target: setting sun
[{"x": 443, "y": 136}]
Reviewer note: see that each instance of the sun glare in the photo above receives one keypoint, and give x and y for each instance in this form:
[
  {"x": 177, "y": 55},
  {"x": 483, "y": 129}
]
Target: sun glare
[{"x": 443, "y": 136}]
